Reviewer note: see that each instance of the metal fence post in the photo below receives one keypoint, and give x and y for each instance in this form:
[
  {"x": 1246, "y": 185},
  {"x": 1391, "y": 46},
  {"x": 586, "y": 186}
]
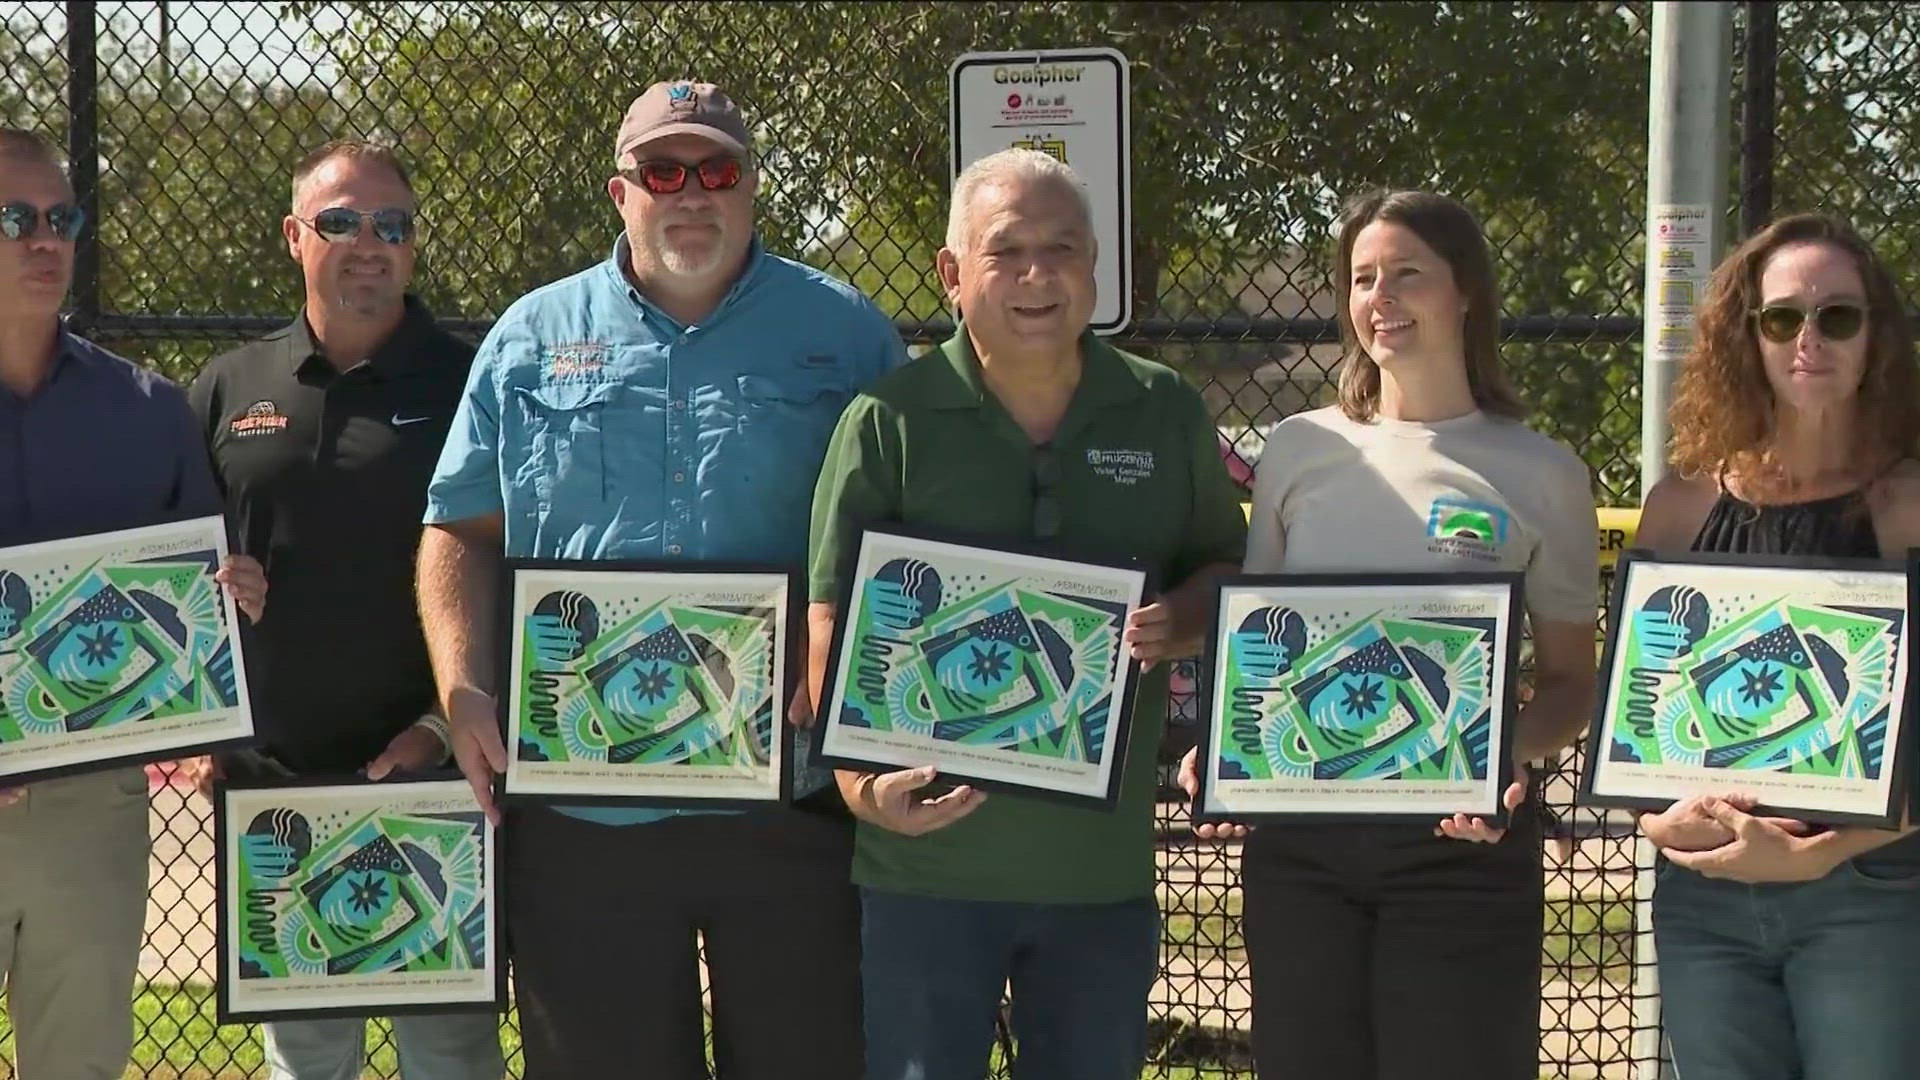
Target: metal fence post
[
  {"x": 1760, "y": 55},
  {"x": 83, "y": 156},
  {"x": 1688, "y": 108}
]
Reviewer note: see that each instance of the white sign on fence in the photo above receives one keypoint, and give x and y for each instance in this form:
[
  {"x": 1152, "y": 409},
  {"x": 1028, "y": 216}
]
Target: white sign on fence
[{"x": 1071, "y": 103}]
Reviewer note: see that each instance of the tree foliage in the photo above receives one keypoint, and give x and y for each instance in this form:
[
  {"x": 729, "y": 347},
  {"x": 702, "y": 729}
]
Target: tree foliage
[{"x": 1251, "y": 123}]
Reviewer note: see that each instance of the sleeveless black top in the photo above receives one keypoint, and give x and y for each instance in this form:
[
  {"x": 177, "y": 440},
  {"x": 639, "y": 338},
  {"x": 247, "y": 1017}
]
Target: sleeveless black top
[{"x": 1840, "y": 526}]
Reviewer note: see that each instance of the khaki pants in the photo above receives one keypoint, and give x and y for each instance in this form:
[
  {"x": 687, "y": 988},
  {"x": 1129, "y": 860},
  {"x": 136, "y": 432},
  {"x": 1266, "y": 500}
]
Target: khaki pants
[{"x": 73, "y": 893}]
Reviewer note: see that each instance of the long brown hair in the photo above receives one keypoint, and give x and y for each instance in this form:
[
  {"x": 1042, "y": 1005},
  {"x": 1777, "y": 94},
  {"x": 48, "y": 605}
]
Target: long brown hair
[
  {"x": 1724, "y": 415},
  {"x": 1451, "y": 230}
]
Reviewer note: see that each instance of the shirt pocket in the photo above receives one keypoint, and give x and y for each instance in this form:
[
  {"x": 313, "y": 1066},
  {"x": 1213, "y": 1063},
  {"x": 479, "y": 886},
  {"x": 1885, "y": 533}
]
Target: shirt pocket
[
  {"x": 796, "y": 413},
  {"x": 566, "y": 440}
]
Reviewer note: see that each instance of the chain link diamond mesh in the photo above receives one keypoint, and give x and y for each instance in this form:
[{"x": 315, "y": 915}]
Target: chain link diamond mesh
[{"x": 1250, "y": 122}]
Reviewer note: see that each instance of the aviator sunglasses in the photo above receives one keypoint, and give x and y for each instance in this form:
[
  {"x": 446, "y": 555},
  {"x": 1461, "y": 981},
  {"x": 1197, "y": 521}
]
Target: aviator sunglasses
[
  {"x": 337, "y": 224},
  {"x": 1836, "y": 322},
  {"x": 722, "y": 173},
  {"x": 21, "y": 221}
]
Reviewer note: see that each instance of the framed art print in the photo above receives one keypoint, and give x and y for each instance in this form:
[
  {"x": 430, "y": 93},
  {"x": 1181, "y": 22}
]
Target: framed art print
[
  {"x": 662, "y": 684},
  {"x": 1782, "y": 677},
  {"x": 1003, "y": 668},
  {"x": 1359, "y": 697},
  {"x": 118, "y": 649},
  {"x": 354, "y": 898}
]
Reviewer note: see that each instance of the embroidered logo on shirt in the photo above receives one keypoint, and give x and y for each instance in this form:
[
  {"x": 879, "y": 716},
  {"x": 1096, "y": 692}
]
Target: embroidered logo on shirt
[
  {"x": 261, "y": 418},
  {"x": 1121, "y": 466},
  {"x": 1464, "y": 527},
  {"x": 817, "y": 360},
  {"x": 573, "y": 358}
]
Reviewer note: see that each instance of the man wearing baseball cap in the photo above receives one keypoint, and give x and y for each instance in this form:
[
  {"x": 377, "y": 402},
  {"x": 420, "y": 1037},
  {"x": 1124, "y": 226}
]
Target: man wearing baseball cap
[{"x": 671, "y": 403}]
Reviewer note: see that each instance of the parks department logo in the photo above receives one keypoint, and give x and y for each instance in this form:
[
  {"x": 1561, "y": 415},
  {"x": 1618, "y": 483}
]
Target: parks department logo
[
  {"x": 261, "y": 418},
  {"x": 1460, "y": 526}
]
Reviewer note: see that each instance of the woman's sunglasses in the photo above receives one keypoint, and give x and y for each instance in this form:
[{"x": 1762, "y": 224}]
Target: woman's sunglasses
[
  {"x": 337, "y": 224},
  {"x": 722, "y": 173},
  {"x": 1836, "y": 322},
  {"x": 21, "y": 221}
]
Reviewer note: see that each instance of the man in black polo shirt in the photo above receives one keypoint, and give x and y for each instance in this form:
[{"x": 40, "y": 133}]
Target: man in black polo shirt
[{"x": 324, "y": 435}]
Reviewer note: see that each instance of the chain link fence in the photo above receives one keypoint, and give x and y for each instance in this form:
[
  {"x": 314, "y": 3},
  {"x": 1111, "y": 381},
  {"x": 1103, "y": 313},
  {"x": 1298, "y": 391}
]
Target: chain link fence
[{"x": 1250, "y": 123}]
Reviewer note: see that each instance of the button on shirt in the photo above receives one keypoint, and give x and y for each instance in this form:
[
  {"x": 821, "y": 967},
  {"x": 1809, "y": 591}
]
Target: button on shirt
[
  {"x": 103, "y": 444},
  {"x": 326, "y": 476},
  {"x": 601, "y": 428}
]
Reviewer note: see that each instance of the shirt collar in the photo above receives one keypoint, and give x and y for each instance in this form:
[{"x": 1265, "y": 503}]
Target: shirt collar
[
  {"x": 615, "y": 269},
  {"x": 67, "y": 345},
  {"x": 1105, "y": 378},
  {"x": 400, "y": 353}
]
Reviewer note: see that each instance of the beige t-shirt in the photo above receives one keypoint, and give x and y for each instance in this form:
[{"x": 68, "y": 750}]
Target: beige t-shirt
[{"x": 1477, "y": 492}]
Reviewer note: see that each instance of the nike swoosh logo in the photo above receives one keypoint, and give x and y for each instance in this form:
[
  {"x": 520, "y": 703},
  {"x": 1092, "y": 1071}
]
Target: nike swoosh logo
[{"x": 403, "y": 421}]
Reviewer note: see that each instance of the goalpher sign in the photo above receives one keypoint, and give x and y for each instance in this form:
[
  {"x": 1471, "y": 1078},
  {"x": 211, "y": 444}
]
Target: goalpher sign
[{"x": 1071, "y": 103}]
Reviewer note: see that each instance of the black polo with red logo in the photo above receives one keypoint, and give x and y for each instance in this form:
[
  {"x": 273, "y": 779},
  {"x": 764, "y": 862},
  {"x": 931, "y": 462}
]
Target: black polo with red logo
[{"x": 325, "y": 477}]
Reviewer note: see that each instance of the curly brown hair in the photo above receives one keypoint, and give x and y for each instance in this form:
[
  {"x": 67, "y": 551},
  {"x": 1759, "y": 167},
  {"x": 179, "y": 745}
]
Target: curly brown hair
[
  {"x": 1453, "y": 233},
  {"x": 1723, "y": 413}
]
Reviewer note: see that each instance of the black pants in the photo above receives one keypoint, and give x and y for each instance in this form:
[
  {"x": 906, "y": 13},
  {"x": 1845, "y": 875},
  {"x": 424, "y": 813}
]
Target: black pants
[
  {"x": 601, "y": 923},
  {"x": 1380, "y": 952}
]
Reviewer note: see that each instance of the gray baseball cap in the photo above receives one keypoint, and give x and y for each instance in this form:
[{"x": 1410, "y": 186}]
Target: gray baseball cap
[{"x": 677, "y": 108}]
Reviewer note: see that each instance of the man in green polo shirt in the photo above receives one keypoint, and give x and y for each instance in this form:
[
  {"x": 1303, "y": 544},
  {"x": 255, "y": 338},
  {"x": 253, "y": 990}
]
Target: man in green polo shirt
[{"x": 1023, "y": 426}]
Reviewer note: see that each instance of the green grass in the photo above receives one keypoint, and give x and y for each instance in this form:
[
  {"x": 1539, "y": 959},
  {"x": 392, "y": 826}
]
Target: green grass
[
  {"x": 1588, "y": 937},
  {"x": 1205, "y": 922},
  {"x": 177, "y": 1038}
]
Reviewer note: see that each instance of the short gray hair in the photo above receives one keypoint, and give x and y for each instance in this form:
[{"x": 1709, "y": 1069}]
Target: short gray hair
[{"x": 1003, "y": 167}]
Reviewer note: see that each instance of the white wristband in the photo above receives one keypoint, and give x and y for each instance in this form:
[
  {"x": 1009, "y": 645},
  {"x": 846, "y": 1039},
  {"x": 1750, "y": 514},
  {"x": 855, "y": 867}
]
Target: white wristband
[{"x": 439, "y": 728}]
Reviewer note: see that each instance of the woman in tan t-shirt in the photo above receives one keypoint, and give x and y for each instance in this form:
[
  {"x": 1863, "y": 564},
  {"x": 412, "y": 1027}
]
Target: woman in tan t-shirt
[{"x": 1389, "y": 951}]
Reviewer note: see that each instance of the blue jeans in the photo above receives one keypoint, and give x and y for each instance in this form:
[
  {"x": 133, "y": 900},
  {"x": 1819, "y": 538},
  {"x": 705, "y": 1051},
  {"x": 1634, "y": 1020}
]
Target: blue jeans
[
  {"x": 1813, "y": 981},
  {"x": 432, "y": 1046},
  {"x": 933, "y": 971}
]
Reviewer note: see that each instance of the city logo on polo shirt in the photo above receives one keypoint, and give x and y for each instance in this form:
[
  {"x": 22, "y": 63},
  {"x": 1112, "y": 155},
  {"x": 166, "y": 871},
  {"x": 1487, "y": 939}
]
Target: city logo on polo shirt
[
  {"x": 1121, "y": 466},
  {"x": 261, "y": 418},
  {"x": 1462, "y": 526}
]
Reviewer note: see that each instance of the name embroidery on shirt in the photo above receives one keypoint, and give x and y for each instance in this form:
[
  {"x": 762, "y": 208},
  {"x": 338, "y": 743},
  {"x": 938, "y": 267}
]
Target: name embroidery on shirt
[
  {"x": 1121, "y": 466},
  {"x": 573, "y": 358},
  {"x": 1465, "y": 527},
  {"x": 261, "y": 418}
]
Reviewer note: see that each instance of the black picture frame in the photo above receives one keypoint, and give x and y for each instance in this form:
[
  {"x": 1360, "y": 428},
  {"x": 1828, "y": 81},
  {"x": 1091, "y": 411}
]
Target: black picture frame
[
  {"x": 1120, "y": 740},
  {"x": 1491, "y": 807},
  {"x": 238, "y": 733},
  {"x": 1597, "y": 789},
  {"x": 452, "y": 786},
  {"x": 792, "y": 616}
]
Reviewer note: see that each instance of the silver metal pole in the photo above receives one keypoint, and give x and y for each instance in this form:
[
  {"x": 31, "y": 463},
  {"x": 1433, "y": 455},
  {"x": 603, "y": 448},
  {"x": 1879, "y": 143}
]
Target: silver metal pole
[
  {"x": 1688, "y": 130},
  {"x": 1688, "y": 127}
]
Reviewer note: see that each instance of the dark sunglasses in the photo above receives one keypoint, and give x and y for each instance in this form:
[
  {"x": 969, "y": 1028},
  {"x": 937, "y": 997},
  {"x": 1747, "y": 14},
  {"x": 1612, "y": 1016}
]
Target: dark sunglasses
[
  {"x": 1836, "y": 322},
  {"x": 337, "y": 224},
  {"x": 721, "y": 173},
  {"x": 1046, "y": 495},
  {"x": 21, "y": 221}
]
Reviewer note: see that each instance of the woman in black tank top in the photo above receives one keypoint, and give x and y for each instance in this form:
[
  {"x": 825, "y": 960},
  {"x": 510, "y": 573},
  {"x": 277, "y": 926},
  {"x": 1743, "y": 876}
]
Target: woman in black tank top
[{"x": 1789, "y": 952}]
